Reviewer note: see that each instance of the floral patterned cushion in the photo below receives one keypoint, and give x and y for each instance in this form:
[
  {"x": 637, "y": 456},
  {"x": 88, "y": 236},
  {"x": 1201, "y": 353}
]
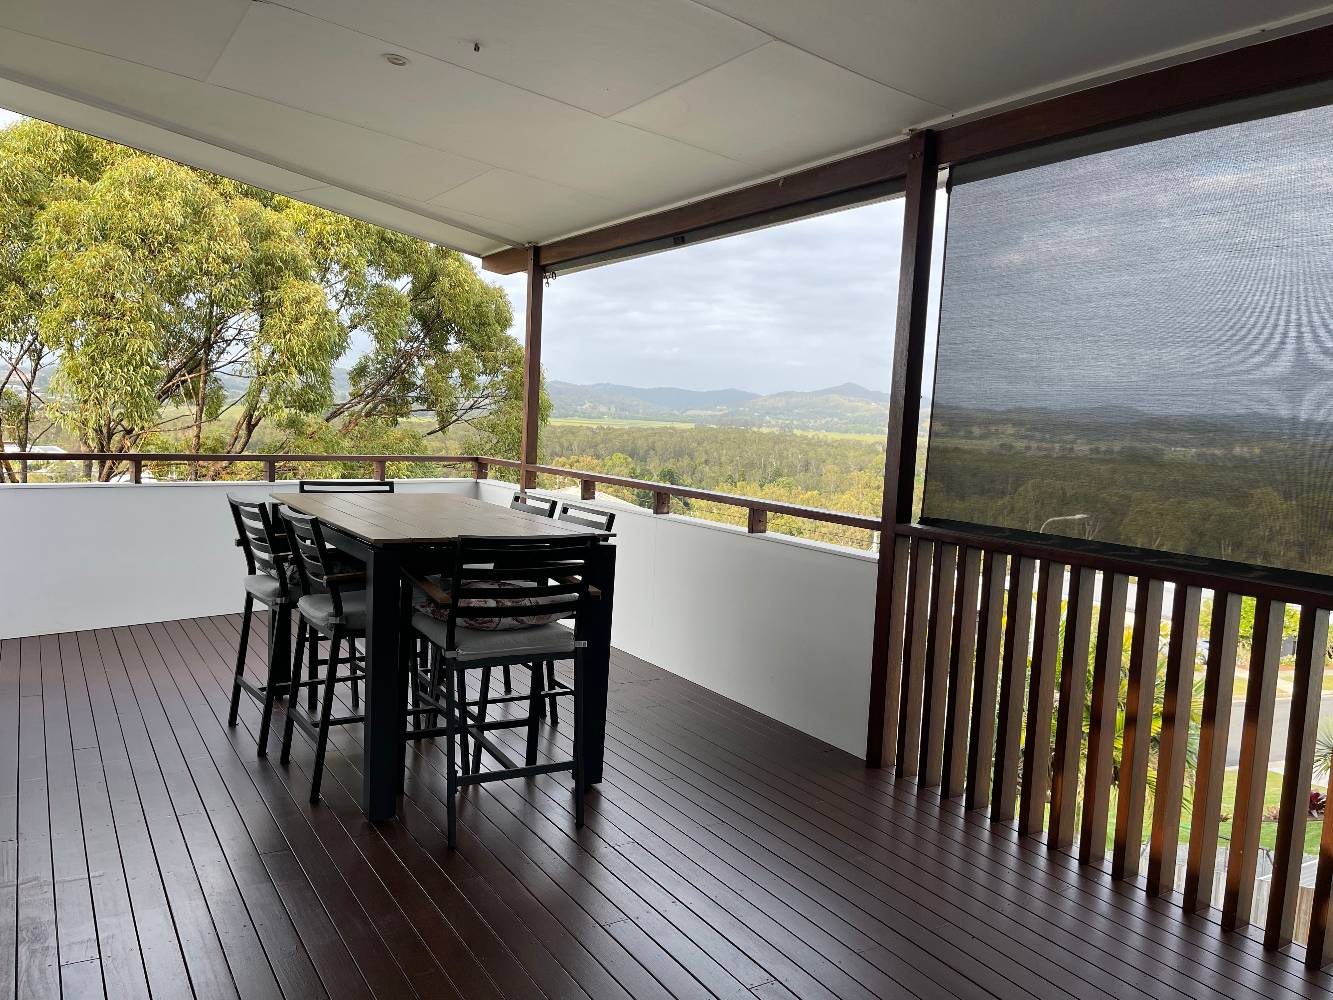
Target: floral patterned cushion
[{"x": 429, "y": 608}]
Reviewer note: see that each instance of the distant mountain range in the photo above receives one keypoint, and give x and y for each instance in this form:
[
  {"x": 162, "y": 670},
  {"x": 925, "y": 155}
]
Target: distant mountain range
[
  {"x": 235, "y": 385},
  {"x": 847, "y": 408}
]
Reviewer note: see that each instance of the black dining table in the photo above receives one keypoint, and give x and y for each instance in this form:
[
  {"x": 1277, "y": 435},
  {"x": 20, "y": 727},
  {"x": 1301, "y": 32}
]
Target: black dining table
[{"x": 390, "y": 531}]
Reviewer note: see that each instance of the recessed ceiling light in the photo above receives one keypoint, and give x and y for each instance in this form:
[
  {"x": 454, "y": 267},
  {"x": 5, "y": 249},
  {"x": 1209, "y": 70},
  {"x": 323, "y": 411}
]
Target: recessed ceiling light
[{"x": 395, "y": 59}]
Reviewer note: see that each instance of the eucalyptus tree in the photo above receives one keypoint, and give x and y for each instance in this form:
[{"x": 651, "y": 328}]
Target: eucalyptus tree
[{"x": 185, "y": 310}]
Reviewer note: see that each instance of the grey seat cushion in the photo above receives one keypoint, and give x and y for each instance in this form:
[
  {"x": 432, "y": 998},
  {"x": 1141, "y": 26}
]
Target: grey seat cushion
[
  {"x": 318, "y": 610},
  {"x": 541, "y": 642},
  {"x": 263, "y": 588}
]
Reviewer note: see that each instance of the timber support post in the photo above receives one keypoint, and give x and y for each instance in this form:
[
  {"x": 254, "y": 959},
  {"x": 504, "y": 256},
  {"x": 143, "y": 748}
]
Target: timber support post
[{"x": 904, "y": 419}]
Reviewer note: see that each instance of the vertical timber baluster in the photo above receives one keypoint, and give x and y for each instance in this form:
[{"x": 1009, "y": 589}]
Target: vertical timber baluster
[
  {"x": 962, "y": 656},
  {"x": 1319, "y": 945},
  {"x": 1132, "y": 781},
  {"x": 1219, "y": 682},
  {"x": 898, "y": 626},
  {"x": 1041, "y": 701},
  {"x": 1252, "y": 778},
  {"x": 937, "y": 664},
  {"x": 1013, "y": 675},
  {"x": 1106, "y": 666},
  {"x": 1069, "y": 711},
  {"x": 1298, "y": 761},
  {"x": 981, "y": 746},
  {"x": 1173, "y": 742},
  {"x": 914, "y": 659}
]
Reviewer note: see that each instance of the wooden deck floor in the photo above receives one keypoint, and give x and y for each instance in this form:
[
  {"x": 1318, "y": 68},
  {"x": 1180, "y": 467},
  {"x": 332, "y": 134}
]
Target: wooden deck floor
[{"x": 145, "y": 850}]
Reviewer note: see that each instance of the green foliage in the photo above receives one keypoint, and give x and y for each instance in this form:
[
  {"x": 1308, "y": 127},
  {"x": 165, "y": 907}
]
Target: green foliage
[
  {"x": 182, "y": 307},
  {"x": 804, "y": 469}
]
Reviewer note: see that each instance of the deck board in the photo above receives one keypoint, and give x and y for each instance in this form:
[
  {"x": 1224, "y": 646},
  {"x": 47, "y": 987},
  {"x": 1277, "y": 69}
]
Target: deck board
[{"x": 146, "y": 850}]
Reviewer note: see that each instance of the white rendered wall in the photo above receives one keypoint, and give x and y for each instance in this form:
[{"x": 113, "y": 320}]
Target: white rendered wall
[
  {"x": 781, "y": 625},
  {"x": 97, "y": 555}
]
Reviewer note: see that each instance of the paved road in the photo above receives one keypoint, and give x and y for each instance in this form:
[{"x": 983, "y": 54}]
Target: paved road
[{"x": 1281, "y": 712}]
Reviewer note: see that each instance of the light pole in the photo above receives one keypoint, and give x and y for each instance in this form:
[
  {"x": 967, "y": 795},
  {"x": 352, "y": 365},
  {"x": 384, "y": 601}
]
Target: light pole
[{"x": 1062, "y": 517}]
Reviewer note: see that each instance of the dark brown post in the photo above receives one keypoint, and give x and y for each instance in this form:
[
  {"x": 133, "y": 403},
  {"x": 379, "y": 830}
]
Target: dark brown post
[
  {"x": 661, "y": 502},
  {"x": 532, "y": 369},
  {"x": 271, "y": 470},
  {"x": 904, "y": 413},
  {"x": 379, "y": 470},
  {"x": 479, "y": 469},
  {"x": 136, "y": 470},
  {"x": 587, "y": 489},
  {"x": 757, "y": 522}
]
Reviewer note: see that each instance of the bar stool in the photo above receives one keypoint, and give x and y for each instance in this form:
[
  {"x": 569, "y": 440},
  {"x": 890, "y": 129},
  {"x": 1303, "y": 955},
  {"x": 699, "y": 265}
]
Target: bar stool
[
  {"x": 584, "y": 517},
  {"x": 498, "y": 583},
  {"x": 529, "y": 504},
  {"x": 266, "y": 581},
  {"x": 333, "y": 607}
]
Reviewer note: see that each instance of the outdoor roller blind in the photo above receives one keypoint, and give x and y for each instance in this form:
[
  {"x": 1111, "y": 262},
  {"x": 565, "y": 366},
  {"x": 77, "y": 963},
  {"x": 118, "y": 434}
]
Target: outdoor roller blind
[{"x": 1136, "y": 346}]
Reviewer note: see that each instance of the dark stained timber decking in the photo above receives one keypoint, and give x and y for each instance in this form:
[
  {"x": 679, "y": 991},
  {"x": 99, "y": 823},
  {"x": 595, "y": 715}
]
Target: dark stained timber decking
[{"x": 725, "y": 856}]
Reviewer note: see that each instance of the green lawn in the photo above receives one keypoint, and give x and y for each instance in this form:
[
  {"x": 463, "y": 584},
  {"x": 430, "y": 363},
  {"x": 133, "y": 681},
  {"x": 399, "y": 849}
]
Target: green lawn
[{"x": 1267, "y": 829}]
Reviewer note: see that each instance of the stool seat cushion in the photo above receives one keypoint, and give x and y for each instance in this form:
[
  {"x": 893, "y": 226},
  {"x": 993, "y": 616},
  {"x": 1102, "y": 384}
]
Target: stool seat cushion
[
  {"x": 317, "y": 609},
  {"x": 264, "y": 588},
  {"x": 539, "y": 642}
]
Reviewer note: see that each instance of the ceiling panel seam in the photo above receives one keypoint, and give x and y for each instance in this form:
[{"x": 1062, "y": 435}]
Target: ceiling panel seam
[
  {"x": 383, "y": 197},
  {"x": 816, "y": 55}
]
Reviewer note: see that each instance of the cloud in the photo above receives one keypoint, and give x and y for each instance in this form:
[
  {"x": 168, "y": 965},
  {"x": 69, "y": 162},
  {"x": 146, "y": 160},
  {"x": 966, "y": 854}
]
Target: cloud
[{"x": 799, "y": 306}]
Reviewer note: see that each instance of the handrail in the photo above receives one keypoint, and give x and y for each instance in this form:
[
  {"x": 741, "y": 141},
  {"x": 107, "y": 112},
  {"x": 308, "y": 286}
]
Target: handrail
[
  {"x": 756, "y": 522},
  {"x": 754, "y": 504},
  {"x": 1209, "y": 574}
]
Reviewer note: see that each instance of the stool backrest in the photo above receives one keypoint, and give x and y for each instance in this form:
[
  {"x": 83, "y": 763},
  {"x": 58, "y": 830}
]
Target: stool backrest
[
  {"x": 345, "y": 486},
  {"x": 264, "y": 545},
  {"x": 506, "y": 578},
  {"x": 530, "y": 504},
  {"x": 587, "y": 517},
  {"x": 315, "y": 561}
]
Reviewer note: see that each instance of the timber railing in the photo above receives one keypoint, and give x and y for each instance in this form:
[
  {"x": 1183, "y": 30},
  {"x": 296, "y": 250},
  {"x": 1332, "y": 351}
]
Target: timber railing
[
  {"x": 757, "y": 509},
  {"x": 996, "y": 669}
]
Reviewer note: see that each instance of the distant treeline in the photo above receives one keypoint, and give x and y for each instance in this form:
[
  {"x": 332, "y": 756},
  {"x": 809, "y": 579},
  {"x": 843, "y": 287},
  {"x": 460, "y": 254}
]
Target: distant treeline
[
  {"x": 1256, "y": 490},
  {"x": 807, "y": 469}
]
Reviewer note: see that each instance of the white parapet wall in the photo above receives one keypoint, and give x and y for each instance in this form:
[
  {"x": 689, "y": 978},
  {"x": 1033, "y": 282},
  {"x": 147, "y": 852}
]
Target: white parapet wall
[
  {"x": 81, "y": 556},
  {"x": 779, "y": 624}
]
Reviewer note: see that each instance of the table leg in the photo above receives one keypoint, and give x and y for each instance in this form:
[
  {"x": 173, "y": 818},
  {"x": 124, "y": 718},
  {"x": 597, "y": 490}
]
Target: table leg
[
  {"x": 597, "y": 664},
  {"x": 385, "y": 691}
]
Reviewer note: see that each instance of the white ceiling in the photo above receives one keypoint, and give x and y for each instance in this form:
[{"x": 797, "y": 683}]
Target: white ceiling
[{"x": 573, "y": 113}]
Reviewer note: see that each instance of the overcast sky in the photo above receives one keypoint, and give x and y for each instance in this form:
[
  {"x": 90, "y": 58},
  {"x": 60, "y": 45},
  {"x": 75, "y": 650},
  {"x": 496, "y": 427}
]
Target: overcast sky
[{"x": 805, "y": 305}]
